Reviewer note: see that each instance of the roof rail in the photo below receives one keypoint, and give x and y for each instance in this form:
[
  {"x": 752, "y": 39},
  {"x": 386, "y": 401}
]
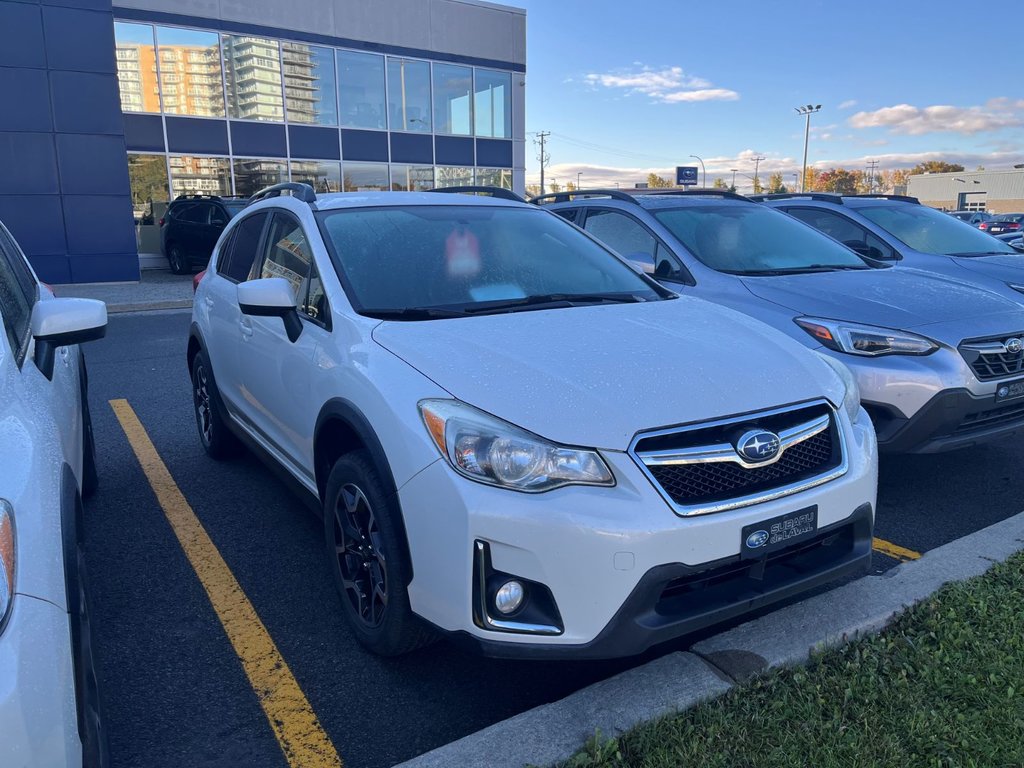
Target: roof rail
[
  {"x": 303, "y": 192},
  {"x": 564, "y": 197},
  {"x": 481, "y": 189},
  {"x": 903, "y": 198},
  {"x": 205, "y": 196},
  {"x": 695, "y": 192},
  {"x": 827, "y": 197}
]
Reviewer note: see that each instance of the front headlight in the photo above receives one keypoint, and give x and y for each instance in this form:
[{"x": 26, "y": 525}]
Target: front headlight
[
  {"x": 7, "y": 554},
  {"x": 851, "y": 400},
  {"x": 865, "y": 340},
  {"x": 492, "y": 451}
]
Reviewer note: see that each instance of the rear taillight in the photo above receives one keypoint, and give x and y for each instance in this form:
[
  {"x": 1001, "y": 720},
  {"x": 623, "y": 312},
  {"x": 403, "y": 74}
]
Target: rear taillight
[
  {"x": 196, "y": 279},
  {"x": 1013, "y": 225},
  {"x": 983, "y": 225}
]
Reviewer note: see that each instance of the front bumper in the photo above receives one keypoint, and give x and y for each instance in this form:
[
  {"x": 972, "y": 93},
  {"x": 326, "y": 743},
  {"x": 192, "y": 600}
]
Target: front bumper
[
  {"x": 617, "y": 560},
  {"x": 38, "y": 715},
  {"x": 949, "y": 421}
]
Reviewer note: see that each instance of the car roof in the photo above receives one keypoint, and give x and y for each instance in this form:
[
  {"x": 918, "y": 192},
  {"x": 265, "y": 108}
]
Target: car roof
[
  {"x": 338, "y": 200},
  {"x": 649, "y": 202}
]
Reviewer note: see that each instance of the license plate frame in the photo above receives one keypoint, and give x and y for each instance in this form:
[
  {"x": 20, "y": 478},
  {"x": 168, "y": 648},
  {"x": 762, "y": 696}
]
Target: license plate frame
[
  {"x": 1008, "y": 391},
  {"x": 778, "y": 532}
]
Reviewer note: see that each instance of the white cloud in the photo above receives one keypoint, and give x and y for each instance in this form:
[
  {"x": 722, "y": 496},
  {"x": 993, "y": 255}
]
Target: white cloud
[
  {"x": 916, "y": 121},
  {"x": 670, "y": 85},
  {"x": 849, "y": 103}
]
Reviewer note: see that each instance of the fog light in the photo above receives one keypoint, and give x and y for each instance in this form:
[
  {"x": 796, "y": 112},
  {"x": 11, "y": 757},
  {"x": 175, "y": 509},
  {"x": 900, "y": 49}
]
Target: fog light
[{"x": 509, "y": 597}]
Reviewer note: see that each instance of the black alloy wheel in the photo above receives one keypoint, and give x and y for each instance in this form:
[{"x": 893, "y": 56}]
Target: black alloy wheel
[{"x": 362, "y": 561}]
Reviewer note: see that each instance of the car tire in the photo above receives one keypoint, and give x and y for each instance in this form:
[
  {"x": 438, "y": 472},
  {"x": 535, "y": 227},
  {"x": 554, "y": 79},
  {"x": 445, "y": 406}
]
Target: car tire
[
  {"x": 176, "y": 258},
  {"x": 90, "y": 477},
  {"x": 368, "y": 560},
  {"x": 218, "y": 440}
]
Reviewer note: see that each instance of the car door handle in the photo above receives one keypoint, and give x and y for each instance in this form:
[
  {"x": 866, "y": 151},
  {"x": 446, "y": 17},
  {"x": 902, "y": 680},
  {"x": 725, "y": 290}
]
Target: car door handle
[
  {"x": 246, "y": 325},
  {"x": 209, "y": 302}
]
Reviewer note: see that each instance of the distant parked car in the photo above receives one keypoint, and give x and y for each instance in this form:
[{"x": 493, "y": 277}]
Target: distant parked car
[
  {"x": 49, "y": 707},
  {"x": 1014, "y": 239},
  {"x": 909, "y": 337},
  {"x": 1004, "y": 223},
  {"x": 191, "y": 227},
  {"x": 974, "y": 218}
]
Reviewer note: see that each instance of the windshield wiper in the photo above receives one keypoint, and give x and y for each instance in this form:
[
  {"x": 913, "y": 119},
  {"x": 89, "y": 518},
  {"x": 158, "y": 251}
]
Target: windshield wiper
[
  {"x": 810, "y": 268},
  {"x": 553, "y": 299},
  {"x": 413, "y": 313},
  {"x": 986, "y": 253}
]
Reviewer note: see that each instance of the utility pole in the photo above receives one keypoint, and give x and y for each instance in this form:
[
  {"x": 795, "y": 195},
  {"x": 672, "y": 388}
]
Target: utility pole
[
  {"x": 733, "y": 188},
  {"x": 757, "y": 164},
  {"x": 872, "y": 165},
  {"x": 578, "y": 174},
  {"x": 807, "y": 111},
  {"x": 543, "y": 156}
]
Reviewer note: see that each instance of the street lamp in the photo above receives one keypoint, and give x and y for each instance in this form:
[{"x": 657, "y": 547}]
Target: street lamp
[
  {"x": 703, "y": 169},
  {"x": 806, "y": 111}
]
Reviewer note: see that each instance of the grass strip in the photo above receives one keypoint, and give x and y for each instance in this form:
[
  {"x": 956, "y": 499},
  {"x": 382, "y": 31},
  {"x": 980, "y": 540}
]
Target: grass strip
[{"x": 942, "y": 686}]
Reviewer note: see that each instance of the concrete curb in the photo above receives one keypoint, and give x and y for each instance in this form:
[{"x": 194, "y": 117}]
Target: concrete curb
[
  {"x": 678, "y": 681},
  {"x": 149, "y": 306}
]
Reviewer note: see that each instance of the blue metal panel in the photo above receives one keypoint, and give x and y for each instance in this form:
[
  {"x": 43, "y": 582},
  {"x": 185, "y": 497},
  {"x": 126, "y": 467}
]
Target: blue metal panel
[
  {"x": 99, "y": 224},
  {"x": 493, "y": 153},
  {"x": 237, "y": 27},
  {"x": 25, "y": 98},
  {"x": 21, "y": 36},
  {"x": 187, "y": 134},
  {"x": 55, "y": 270},
  {"x": 92, "y": 165},
  {"x": 364, "y": 145},
  {"x": 29, "y": 164},
  {"x": 257, "y": 140},
  {"x": 453, "y": 150},
  {"x": 144, "y": 132},
  {"x": 79, "y": 40},
  {"x": 94, "y": 5},
  {"x": 36, "y": 221},
  {"x": 412, "y": 148},
  {"x": 314, "y": 142},
  {"x": 106, "y": 267},
  {"x": 86, "y": 102}
]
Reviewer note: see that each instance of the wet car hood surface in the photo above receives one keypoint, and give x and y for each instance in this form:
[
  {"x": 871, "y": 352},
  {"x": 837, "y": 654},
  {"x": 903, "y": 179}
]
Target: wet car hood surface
[
  {"x": 893, "y": 298},
  {"x": 596, "y": 375}
]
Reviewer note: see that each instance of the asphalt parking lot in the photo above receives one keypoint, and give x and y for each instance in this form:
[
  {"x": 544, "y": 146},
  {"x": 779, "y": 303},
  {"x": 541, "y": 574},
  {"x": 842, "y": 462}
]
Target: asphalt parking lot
[{"x": 174, "y": 690}]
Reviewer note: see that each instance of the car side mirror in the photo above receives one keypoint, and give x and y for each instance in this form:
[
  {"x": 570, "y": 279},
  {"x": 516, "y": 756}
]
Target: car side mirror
[
  {"x": 62, "y": 322},
  {"x": 1018, "y": 246},
  {"x": 271, "y": 297}
]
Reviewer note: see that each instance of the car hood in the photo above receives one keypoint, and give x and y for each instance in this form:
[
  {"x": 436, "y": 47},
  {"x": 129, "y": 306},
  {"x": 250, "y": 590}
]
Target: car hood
[
  {"x": 596, "y": 375},
  {"x": 893, "y": 298},
  {"x": 1006, "y": 267}
]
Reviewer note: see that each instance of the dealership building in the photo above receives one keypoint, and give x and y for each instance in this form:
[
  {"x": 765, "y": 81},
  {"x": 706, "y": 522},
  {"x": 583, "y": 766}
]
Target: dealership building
[
  {"x": 110, "y": 111},
  {"x": 991, "y": 191}
]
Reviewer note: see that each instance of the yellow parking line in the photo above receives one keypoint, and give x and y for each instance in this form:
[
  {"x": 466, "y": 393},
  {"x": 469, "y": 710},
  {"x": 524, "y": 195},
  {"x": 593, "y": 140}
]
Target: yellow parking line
[
  {"x": 298, "y": 731},
  {"x": 894, "y": 550}
]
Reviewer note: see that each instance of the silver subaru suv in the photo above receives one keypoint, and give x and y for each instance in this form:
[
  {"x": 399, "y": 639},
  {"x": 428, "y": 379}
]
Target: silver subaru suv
[{"x": 939, "y": 361}]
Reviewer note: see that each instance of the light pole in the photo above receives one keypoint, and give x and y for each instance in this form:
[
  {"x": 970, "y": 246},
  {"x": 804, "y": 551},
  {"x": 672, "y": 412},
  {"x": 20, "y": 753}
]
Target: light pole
[
  {"x": 734, "y": 170},
  {"x": 796, "y": 180},
  {"x": 703, "y": 170},
  {"x": 806, "y": 111},
  {"x": 578, "y": 174}
]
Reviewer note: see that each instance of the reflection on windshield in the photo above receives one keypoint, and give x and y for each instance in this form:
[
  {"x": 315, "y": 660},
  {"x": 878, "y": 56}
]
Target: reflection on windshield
[
  {"x": 930, "y": 231},
  {"x": 749, "y": 239},
  {"x": 425, "y": 262}
]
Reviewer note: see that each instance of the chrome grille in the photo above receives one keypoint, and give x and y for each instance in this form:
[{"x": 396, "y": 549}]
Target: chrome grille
[
  {"x": 996, "y": 357},
  {"x": 699, "y": 470}
]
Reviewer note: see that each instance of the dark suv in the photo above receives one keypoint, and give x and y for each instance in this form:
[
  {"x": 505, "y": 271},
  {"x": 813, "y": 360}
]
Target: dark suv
[{"x": 191, "y": 226}]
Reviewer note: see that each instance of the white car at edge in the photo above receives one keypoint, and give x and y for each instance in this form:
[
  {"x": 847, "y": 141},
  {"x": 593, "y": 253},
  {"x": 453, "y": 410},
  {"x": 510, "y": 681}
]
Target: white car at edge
[
  {"x": 517, "y": 440},
  {"x": 49, "y": 705}
]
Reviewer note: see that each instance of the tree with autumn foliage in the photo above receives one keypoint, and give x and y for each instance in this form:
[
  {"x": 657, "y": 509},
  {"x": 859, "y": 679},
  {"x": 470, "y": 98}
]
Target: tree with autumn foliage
[
  {"x": 936, "y": 166},
  {"x": 775, "y": 185},
  {"x": 654, "y": 181}
]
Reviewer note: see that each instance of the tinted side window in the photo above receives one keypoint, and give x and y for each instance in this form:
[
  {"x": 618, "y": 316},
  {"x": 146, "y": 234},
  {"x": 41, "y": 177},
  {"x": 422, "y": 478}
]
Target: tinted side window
[
  {"x": 15, "y": 304},
  {"x": 196, "y": 214},
  {"x": 286, "y": 254},
  {"x": 19, "y": 264},
  {"x": 569, "y": 214},
  {"x": 621, "y": 233},
  {"x": 847, "y": 232},
  {"x": 218, "y": 216},
  {"x": 237, "y": 261}
]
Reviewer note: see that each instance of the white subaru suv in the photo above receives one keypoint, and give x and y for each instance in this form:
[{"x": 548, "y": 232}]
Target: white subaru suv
[
  {"x": 49, "y": 707},
  {"x": 516, "y": 439}
]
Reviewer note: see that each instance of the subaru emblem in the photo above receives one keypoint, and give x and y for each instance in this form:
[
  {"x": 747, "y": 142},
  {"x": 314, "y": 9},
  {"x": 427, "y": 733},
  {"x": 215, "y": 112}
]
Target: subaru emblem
[
  {"x": 757, "y": 539},
  {"x": 1014, "y": 346},
  {"x": 758, "y": 445}
]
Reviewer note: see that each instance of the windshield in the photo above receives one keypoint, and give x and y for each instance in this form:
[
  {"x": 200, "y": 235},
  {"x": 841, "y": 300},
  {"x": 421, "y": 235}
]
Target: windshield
[
  {"x": 753, "y": 239},
  {"x": 1016, "y": 217},
  {"x": 422, "y": 262},
  {"x": 963, "y": 216},
  {"x": 930, "y": 231},
  {"x": 235, "y": 207}
]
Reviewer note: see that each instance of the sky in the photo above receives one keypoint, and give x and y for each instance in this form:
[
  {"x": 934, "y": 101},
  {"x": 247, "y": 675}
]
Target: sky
[{"x": 630, "y": 88}]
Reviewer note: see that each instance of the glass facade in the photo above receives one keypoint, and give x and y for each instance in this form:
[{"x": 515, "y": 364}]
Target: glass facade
[{"x": 236, "y": 79}]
